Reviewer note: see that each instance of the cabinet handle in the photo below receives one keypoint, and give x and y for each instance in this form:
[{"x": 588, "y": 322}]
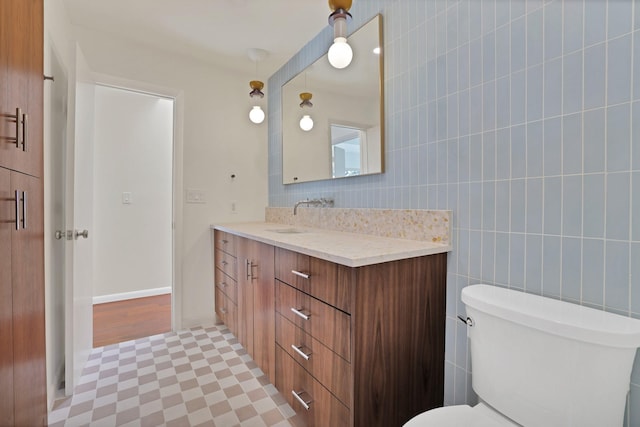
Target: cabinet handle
[
  {"x": 24, "y": 132},
  {"x": 249, "y": 265},
  {"x": 223, "y": 310},
  {"x": 224, "y": 242},
  {"x": 17, "y": 120},
  {"x": 298, "y": 350},
  {"x": 223, "y": 284},
  {"x": 21, "y": 124},
  {"x": 24, "y": 210},
  {"x": 224, "y": 263},
  {"x": 17, "y": 206},
  {"x": 304, "y": 314},
  {"x": 298, "y": 273},
  {"x": 304, "y": 402}
]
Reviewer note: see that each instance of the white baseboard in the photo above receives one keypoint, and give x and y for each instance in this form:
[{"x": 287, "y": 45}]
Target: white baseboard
[{"x": 131, "y": 295}]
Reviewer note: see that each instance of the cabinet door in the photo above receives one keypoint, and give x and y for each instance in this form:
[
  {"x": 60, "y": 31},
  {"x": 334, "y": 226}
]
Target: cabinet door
[
  {"x": 21, "y": 85},
  {"x": 256, "y": 303},
  {"x": 7, "y": 221},
  {"x": 27, "y": 275},
  {"x": 245, "y": 294},
  {"x": 264, "y": 323}
]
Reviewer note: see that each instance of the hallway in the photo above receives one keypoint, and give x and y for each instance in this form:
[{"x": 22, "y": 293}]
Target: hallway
[{"x": 114, "y": 322}]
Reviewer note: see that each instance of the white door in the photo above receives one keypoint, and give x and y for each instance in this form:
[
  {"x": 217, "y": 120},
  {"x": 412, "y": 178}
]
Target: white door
[
  {"x": 79, "y": 217},
  {"x": 55, "y": 222}
]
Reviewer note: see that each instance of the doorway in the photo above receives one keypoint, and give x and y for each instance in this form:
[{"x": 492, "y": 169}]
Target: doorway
[{"x": 133, "y": 213}]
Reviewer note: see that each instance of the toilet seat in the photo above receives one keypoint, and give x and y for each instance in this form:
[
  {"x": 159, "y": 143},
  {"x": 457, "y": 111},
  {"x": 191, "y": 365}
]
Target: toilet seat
[{"x": 460, "y": 415}]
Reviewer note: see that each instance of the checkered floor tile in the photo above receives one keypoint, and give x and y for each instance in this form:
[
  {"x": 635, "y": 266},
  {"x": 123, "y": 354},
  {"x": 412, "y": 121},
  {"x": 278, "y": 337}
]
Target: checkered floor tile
[{"x": 197, "y": 377}]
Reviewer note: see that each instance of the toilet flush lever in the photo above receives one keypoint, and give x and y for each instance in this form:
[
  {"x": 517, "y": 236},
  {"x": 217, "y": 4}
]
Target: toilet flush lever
[{"x": 468, "y": 321}]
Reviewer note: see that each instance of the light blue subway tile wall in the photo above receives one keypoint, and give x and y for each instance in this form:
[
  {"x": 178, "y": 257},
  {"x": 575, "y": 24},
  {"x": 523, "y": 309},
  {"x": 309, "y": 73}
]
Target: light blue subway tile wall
[
  {"x": 619, "y": 70},
  {"x": 573, "y": 13},
  {"x": 524, "y": 119},
  {"x": 572, "y": 143}
]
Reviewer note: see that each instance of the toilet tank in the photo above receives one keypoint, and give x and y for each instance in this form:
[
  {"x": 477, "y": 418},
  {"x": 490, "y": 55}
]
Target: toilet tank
[{"x": 545, "y": 362}]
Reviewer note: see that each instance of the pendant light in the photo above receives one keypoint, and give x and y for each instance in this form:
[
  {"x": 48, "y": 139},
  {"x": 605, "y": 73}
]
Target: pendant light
[
  {"x": 340, "y": 53},
  {"x": 306, "y": 122},
  {"x": 256, "y": 114}
]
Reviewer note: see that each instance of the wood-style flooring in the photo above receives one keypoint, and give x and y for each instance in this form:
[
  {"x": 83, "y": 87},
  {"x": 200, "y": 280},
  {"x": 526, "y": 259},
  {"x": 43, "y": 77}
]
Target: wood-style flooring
[{"x": 118, "y": 321}]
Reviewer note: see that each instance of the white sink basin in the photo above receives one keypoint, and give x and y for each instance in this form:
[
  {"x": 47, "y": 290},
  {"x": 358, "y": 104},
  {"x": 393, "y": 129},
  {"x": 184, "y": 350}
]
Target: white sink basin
[{"x": 288, "y": 230}]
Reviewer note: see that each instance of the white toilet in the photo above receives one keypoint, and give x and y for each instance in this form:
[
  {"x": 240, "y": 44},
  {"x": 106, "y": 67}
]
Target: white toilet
[{"x": 541, "y": 362}]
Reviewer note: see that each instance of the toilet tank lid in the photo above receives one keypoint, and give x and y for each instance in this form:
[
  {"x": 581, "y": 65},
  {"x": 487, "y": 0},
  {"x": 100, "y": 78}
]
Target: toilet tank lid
[{"x": 554, "y": 316}]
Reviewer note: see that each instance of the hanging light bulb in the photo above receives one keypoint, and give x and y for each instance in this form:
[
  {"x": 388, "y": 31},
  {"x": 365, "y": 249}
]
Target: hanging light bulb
[
  {"x": 256, "y": 114},
  {"x": 306, "y": 122},
  {"x": 340, "y": 53}
]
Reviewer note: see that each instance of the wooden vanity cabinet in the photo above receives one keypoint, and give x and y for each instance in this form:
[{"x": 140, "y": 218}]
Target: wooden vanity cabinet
[
  {"x": 346, "y": 346},
  {"x": 376, "y": 331}
]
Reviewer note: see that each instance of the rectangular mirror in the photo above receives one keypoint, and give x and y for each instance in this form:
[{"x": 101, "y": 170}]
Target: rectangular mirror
[{"x": 347, "y": 137}]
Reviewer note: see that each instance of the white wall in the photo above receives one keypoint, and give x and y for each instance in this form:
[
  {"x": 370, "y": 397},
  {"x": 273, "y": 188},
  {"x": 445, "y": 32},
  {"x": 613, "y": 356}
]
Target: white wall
[
  {"x": 133, "y": 154},
  {"x": 218, "y": 140}
]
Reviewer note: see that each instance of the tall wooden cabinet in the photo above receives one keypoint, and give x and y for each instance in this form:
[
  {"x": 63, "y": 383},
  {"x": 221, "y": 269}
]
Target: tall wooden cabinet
[
  {"x": 21, "y": 83},
  {"x": 22, "y": 329}
]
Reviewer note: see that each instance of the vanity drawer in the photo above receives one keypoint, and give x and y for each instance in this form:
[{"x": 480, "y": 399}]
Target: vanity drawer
[
  {"x": 320, "y": 407},
  {"x": 323, "y": 322},
  {"x": 325, "y": 280},
  {"x": 226, "y": 263},
  {"x": 226, "y": 310},
  {"x": 225, "y": 242},
  {"x": 227, "y": 285},
  {"x": 331, "y": 370}
]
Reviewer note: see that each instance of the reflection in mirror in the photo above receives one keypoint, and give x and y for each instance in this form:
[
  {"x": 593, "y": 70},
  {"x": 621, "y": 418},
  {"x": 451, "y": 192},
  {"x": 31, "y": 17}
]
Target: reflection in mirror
[
  {"x": 347, "y": 137},
  {"x": 355, "y": 150}
]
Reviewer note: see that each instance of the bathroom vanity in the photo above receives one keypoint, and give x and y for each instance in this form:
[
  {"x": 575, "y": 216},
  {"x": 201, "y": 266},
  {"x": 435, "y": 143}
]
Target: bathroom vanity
[{"x": 349, "y": 327}]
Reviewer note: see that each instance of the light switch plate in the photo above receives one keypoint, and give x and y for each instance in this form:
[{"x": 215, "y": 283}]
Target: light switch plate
[
  {"x": 126, "y": 198},
  {"x": 195, "y": 196}
]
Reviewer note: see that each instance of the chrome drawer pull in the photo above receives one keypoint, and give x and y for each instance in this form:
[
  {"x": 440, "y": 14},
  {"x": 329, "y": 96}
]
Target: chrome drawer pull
[
  {"x": 17, "y": 206},
  {"x": 302, "y": 314},
  {"x": 298, "y": 350},
  {"x": 224, "y": 263},
  {"x": 24, "y": 132},
  {"x": 24, "y": 210},
  {"x": 223, "y": 310},
  {"x": 225, "y": 241},
  {"x": 304, "y": 402},
  {"x": 303, "y": 275},
  {"x": 18, "y": 114},
  {"x": 223, "y": 284}
]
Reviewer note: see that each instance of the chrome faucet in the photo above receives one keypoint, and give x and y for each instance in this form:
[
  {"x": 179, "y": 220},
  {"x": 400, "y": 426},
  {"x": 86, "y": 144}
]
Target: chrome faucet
[{"x": 313, "y": 202}]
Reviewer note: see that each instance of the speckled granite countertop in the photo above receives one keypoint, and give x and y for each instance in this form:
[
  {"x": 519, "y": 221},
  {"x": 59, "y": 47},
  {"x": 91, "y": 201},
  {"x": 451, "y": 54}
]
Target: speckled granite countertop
[{"x": 350, "y": 249}]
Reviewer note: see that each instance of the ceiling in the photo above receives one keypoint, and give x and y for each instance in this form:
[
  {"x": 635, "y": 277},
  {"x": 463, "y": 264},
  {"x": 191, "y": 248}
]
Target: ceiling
[{"x": 215, "y": 31}]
